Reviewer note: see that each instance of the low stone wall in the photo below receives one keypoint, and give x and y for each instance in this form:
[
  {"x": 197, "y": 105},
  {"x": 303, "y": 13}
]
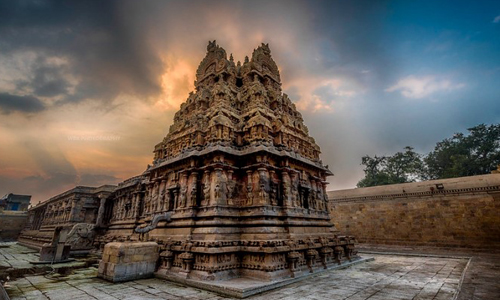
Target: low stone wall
[
  {"x": 463, "y": 212},
  {"x": 11, "y": 224}
]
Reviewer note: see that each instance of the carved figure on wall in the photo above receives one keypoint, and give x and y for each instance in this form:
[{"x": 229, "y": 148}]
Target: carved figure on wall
[
  {"x": 217, "y": 192},
  {"x": 168, "y": 200},
  {"x": 230, "y": 188},
  {"x": 264, "y": 196},
  {"x": 183, "y": 197},
  {"x": 194, "y": 192},
  {"x": 273, "y": 194},
  {"x": 206, "y": 193},
  {"x": 249, "y": 195},
  {"x": 154, "y": 198}
]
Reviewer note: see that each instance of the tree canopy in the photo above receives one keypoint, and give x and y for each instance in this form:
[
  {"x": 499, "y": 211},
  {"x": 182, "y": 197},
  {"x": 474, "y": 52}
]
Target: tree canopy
[
  {"x": 465, "y": 155},
  {"x": 475, "y": 153},
  {"x": 402, "y": 167}
]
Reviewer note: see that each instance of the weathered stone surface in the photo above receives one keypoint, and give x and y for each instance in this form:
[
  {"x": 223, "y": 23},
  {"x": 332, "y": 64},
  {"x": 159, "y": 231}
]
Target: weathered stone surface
[
  {"x": 128, "y": 261},
  {"x": 11, "y": 224},
  {"x": 462, "y": 212}
]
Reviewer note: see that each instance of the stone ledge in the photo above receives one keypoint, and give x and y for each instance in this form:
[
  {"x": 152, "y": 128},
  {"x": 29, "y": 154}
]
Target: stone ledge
[{"x": 245, "y": 287}]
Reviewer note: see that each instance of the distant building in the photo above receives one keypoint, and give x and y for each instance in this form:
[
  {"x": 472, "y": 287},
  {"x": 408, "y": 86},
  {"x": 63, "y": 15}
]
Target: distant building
[
  {"x": 15, "y": 202},
  {"x": 13, "y": 215}
]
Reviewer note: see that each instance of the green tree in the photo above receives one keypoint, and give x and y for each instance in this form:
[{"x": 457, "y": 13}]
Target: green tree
[
  {"x": 406, "y": 166},
  {"x": 465, "y": 155}
]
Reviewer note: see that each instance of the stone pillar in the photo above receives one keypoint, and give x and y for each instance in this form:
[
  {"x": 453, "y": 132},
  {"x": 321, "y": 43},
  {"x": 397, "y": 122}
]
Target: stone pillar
[
  {"x": 183, "y": 202},
  {"x": 219, "y": 187},
  {"x": 74, "y": 212},
  {"x": 287, "y": 193},
  {"x": 249, "y": 190},
  {"x": 273, "y": 190},
  {"x": 120, "y": 208},
  {"x": 295, "y": 190},
  {"x": 157, "y": 203},
  {"x": 147, "y": 200},
  {"x": 163, "y": 188},
  {"x": 137, "y": 205},
  {"x": 100, "y": 212},
  {"x": 230, "y": 188},
  {"x": 154, "y": 197},
  {"x": 324, "y": 195},
  {"x": 176, "y": 198},
  {"x": 312, "y": 195},
  {"x": 128, "y": 206},
  {"x": 123, "y": 210}
]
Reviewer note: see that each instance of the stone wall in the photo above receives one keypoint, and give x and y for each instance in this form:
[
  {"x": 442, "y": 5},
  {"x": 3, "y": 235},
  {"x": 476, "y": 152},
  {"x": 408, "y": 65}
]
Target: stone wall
[
  {"x": 11, "y": 224},
  {"x": 77, "y": 210},
  {"x": 462, "y": 212}
]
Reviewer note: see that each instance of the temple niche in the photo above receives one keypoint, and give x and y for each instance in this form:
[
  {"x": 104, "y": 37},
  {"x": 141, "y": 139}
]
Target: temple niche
[{"x": 237, "y": 187}]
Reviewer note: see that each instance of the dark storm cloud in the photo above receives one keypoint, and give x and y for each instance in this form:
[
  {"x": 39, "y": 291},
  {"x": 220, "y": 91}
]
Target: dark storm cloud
[
  {"x": 91, "y": 37},
  {"x": 45, "y": 80},
  {"x": 347, "y": 38},
  {"x": 26, "y": 104}
]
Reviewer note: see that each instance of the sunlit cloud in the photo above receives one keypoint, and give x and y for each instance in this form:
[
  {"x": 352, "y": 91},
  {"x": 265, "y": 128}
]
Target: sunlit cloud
[
  {"x": 176, "y": 83},
  {"x": 419, "y": 87}
]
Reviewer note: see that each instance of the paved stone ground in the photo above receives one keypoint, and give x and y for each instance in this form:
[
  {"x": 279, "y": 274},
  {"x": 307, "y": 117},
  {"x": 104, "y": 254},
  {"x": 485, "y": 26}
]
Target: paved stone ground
[
  {"x": 16, "y": 256},
  {"x": 481, "y": 279},
  {"x": 15, "y": 259},
  {"x": 389, "y": 277}
]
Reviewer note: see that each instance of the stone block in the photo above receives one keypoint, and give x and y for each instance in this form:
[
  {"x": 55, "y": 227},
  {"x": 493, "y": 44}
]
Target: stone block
[
  {"x": 48, "y": 253},
  {"x": 120, "y": 263}
]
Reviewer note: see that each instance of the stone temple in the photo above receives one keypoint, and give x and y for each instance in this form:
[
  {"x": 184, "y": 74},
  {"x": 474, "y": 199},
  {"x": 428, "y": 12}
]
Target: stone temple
[{"x": 236, "y": 188}]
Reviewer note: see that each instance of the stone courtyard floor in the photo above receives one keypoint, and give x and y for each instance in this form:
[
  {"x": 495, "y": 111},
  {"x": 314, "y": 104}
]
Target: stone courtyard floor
[{"x": 390, "y": 276}]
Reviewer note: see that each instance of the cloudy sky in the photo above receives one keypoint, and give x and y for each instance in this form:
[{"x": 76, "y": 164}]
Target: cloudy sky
[{"x": 87, "y": 88}]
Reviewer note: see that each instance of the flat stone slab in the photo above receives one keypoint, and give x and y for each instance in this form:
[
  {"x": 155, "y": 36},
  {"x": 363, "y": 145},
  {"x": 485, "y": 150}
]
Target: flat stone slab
[
  {"x": 245, "y": 287},
  {"x": 388, "y": 277}
]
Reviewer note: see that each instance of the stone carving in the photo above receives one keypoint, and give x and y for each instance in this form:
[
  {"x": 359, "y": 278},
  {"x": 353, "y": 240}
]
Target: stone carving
[
  {"x": 81, "y": 236},
  {"x": 183, "y": 197},
  {"x": 249, "y": 195},
  {"x": 157, "y": 218}
]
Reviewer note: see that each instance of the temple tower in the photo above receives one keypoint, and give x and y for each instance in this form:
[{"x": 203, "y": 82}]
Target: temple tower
[{"x": 236, "y": 187}]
